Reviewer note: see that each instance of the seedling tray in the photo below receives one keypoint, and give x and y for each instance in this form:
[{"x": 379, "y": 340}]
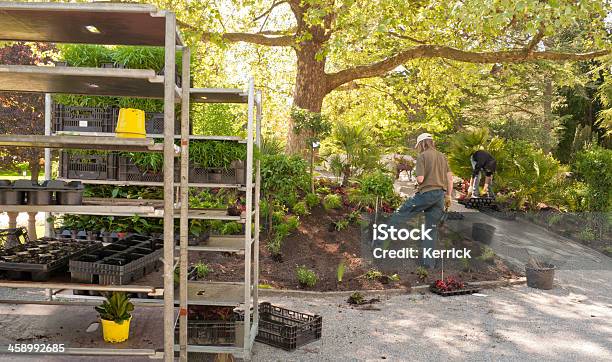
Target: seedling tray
[
  {"x": 287, "y": 329},
  {"x": 118, "y": 263},
  {"x": 466, "y": 290},
  {"x": 477, "y": 202},
  {"x": 88, "y": 167},
  {"x": 55, "y": 259}
]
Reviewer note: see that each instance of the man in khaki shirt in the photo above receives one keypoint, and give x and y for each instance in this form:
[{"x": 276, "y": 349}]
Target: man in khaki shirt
[{"x": 434, "y": 190}]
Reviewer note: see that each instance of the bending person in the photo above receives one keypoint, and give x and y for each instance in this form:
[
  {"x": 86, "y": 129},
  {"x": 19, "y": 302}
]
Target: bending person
[{"x": 482, "y": 162}]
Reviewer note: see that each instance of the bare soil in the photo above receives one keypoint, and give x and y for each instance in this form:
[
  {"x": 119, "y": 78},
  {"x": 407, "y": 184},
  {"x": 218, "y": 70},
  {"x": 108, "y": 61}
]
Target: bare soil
[{"x": 320, "y": 248}]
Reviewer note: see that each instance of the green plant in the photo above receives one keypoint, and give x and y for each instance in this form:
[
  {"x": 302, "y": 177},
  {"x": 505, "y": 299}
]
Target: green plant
[
  {"x": 355, "y": 149},
  {"x": 587, "y": 234},
  {"x": 340, "y": 271},
  {"x": 554, "y": 219},
  {"x": 264, "y": 286},
  {"x": 312, "y": 200},
  {"x": 593, "y": 166},
  {"x": 332, "y": 201},
  {"x": 146, "y": 161},
  {"x": 355, "y": 298},
  {"x": 373, "y": 274},
  {"x": 487, "y": 255},
  {"x": 116, "y": 308},
  {"x": 274, "y": 245},
  {"x": 466, "y": 264},
  {"x": 300, "y": 208},
  {"x": 323, "y": 190},
  {"x": 216, "y": 154},
  {"x": 292, "y": 222},
  {"x": 394, "y": 277},
  {"x": 341, "y": 224},
  {"x": 464, "y": 143},
  {"x": 422, "y": 272},
  {"x": 305, "y": 276},
  {"x": 278, "y": 216},
  {"x": 202, "y": 270},
  {"x": 231, "y": 228}
]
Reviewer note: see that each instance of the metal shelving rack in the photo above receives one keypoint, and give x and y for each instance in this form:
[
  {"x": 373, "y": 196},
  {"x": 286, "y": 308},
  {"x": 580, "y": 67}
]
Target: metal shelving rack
[{"x": 135, "y": 24}]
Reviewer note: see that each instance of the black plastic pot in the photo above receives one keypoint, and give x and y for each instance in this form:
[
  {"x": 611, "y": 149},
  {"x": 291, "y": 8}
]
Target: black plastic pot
[
  {"x": 233, "y": 211},
  {"x": 540, "y": 278},
  {"x": 482, "y": 232},
  {"x": 40, "y": 197}
]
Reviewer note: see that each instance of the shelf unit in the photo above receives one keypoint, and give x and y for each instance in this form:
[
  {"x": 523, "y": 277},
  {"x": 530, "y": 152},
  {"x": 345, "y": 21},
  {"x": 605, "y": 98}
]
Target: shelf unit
[{"x": 138, "y": 24}]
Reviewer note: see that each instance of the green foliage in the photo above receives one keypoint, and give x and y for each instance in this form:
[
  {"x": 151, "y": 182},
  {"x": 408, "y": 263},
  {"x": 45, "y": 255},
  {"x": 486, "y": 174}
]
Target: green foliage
[
  {"x": 340, "y": 271},
  {"x": 312, "y": 200},
  {"x": 373, "y": 274},
  {"x": 202, "y": 270},
  {"x": 116, "y": 308},
  {"x": 231, "y": 228},
  {"x": 341, "y": 224},
  {"x": 292, "y": 222},
  {"x": 278, "y": 216},
  {"x": 463, "y": 144},
  {"x": 217, "y": 120},
  {"x": 216, "y": 154},
  {"x": 372, "y": 187},
  {"x": 466, "y": 264},
  {"x": 306, "y": 277},
  {"x": 532, "y": 176},
  {"x": 593, "y": 166},
  {"x": 587, "y": 234},
  {"x": 300, "y": 208},
  {"x": 86, "y": 55},
  {"x": 146, "y": 161},
  {"x": 332, "y": 201},
  {"x": 422, "y": 272},
  {"x": 488, "y": 255},
  {"x": 282, "y": 177},
  {"x": 313, "y": 124}
]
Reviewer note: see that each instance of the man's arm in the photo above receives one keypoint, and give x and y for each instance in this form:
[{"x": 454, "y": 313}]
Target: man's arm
[{"x": 449, "y": 187}]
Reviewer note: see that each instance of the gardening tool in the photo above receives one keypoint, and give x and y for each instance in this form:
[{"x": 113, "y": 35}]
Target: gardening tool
[{"x": 131, "y": 123}]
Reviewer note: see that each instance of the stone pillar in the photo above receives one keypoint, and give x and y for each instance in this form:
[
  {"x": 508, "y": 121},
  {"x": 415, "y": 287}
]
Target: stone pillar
[
  {"x": 32, "y": 225},
  {"x": 10, "y": 242}
]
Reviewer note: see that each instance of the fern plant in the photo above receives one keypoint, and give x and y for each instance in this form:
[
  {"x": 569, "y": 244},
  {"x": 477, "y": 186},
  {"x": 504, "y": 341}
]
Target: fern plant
[
  {"x": 116, "y": 308},
  {"x": 465, "y": 143}
]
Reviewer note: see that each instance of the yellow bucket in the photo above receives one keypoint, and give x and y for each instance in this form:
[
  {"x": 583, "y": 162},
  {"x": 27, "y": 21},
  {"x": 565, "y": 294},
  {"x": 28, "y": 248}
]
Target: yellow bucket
[
  {"x": 114, "y": 332},
  {"x": 131, "y": 123}
]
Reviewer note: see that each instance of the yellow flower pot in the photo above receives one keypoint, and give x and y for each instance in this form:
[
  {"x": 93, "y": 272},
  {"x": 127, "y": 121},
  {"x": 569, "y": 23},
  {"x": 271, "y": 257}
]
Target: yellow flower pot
[
  {"x": 131, "y": 123},
  {"x": 114, "y": 332}
]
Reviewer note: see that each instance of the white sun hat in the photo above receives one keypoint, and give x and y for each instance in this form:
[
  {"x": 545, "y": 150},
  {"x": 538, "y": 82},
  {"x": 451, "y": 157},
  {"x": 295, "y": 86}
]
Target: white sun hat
[{"x": 422, "y": 137}]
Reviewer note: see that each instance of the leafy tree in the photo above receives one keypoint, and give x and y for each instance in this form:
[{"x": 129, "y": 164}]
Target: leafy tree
[
  {"x": 339, "y": 41},
  {"x": 23, "y": 113}
]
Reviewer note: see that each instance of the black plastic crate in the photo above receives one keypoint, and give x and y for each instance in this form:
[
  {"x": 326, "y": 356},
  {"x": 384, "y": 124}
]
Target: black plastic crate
[
  {"x": 88, "y": 167},
  {"x": 154, "y": 124},
  {"x": 84, "y": 119},
  {"x": 213, "y": 333},
  {"x": 128, "y": 171},
  {"x": 287, "y": 329}
]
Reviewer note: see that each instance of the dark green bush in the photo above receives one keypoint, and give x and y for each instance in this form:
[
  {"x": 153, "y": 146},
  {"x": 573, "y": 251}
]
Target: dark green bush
[{"x": 593, "y": 166}]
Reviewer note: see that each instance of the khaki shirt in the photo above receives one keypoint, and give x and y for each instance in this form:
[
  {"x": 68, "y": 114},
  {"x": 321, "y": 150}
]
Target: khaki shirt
[{"x": 433, "y": 166}]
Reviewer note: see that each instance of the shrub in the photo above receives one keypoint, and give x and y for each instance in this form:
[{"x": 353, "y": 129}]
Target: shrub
[
  {"x": 488, "y": 255},
  {"x": 593, "y": 166},
  {"x": 278, "y": 216},
  {"x": 312, "y": 200},
  {"x": 282, "y": 177},
  {"x": 422, "y": 272},
  {"x": 372, "y": 187},
  {"x": 292, "y": 222},
  {"x": 306, "y": 277},
  {"x": 202, "y": 270},
  {"x": 332, "y": 201},
  {"x": 231, "y": 228},
  {"x": 373, "y": 274},
  {"x": 463, "y": 144},
  {"x": 300, "y": 208},
  {"x": 341, "y": 224}
]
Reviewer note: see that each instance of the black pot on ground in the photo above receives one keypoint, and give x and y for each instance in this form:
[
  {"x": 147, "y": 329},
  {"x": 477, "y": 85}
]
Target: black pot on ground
[
  {"x": 482, "y": 232},
  {"x": 540, "y": 277}
]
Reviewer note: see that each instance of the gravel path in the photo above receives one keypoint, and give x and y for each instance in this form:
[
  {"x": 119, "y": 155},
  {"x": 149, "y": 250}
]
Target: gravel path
[{"x": 572, "y": 322}]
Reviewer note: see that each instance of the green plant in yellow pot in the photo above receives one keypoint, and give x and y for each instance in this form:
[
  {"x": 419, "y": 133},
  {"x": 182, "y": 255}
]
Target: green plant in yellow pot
[{"x": 115, "y": 317}]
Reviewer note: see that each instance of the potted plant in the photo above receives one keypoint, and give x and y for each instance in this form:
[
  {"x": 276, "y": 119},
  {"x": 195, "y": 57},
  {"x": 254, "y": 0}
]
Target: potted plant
[
  {"x": 540, "y": 274},
  {"x": 115, "y": 317}
]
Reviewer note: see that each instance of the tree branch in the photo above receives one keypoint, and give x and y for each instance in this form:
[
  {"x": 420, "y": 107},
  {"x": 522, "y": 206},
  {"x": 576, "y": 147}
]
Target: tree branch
[
  {"x": 406, "y": 37},
  {"x": 267, "y": 12},
  {"x": 536, "y": 39},
  {"x": 254, "y": 38},
  {"x": 434, "y": 51}
]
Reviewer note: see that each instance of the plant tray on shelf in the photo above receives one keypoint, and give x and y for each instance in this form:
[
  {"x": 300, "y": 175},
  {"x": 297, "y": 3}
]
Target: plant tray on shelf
[
  {"x": 84, "y": 119},
  {"x": 287, "y": 329},
  {"x": 465, "y": 290},
  {"x": 121, "y": 262},
  {"x": 128, "y": 171},
  {"x": 88, "y": 166},
  {"x": 38, "y": 259}
]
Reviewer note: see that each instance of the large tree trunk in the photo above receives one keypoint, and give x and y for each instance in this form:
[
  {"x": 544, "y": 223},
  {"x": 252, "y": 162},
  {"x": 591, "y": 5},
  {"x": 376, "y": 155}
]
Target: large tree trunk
[
  {"x": 310, "y": 90},
  {"x": 34, "y": 168}
]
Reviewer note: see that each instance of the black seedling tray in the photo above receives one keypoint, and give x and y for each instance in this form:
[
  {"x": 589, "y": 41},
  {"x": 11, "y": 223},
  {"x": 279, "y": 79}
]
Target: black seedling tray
[
  {"x": 287, "y": 329},
  {"x": 122, "y": 262},
  {"x": 477, "y": 202},
  {"x": 46, "y": 246},
  {"x": 466, "y": 290}
]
